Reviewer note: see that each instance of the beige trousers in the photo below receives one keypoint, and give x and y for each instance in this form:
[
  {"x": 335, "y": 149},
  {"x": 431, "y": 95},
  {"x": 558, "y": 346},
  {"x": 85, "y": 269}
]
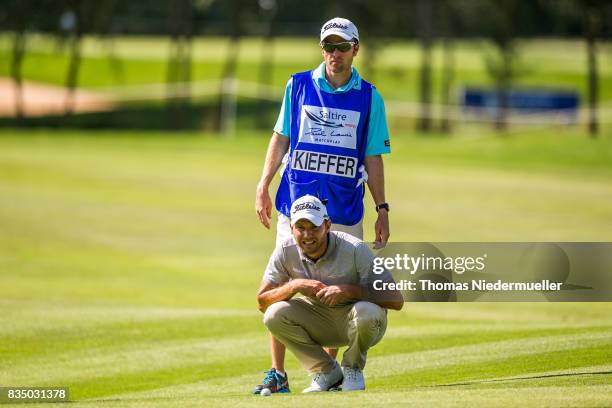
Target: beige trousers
[{"x": 305, "y": 326}]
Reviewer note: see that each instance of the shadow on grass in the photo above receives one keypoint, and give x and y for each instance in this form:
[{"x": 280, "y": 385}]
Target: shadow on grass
[
  {"x": 198, "y": 115},
  {"x": 532, "y": 377}
]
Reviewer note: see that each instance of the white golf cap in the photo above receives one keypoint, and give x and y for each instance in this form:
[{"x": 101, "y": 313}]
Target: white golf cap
[
  {"x": 308, "y": 207},
  {"x": 340, "y": 26}
]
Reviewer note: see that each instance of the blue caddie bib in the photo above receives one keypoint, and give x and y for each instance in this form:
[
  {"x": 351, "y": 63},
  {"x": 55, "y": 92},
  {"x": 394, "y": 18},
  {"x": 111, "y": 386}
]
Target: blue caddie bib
[{"x": 328, "y": 139}]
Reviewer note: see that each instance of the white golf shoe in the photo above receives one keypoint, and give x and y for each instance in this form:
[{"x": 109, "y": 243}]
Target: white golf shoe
[
  {"x": 325, "y": 381},
  {"x": 353, "y": 379}
]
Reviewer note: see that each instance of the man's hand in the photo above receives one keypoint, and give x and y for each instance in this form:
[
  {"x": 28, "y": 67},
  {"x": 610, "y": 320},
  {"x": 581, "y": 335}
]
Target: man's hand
[
  {"x": 263, "y": 206},
  {"x": 307, "y": 287},
  {"x": 381, "y": 229},
  {"x": 335, "y": 294},
  {"x": 376, "y": 183},
  {"x": 277, "y": 148}
]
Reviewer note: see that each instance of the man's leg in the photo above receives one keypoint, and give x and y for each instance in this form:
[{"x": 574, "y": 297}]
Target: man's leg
[
  {"x": 276, "y": 379},
  {"x": 277, "y": 351},
  {"x": 356, "y": 231},
  {"x": 304, "y": 328},
  {"x": 365, "y": 327},
  {"x": 367, "y": 323}
]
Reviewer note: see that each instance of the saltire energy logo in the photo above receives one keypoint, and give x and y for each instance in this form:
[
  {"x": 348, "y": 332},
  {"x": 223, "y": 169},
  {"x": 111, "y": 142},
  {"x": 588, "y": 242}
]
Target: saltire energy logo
[
  {"x": 320, "y": 121},
  {"x": 329, "y": 126}
]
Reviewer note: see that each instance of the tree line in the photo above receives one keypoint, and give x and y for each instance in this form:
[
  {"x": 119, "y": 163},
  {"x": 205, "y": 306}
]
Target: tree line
[{"x": 429, "y": 22}]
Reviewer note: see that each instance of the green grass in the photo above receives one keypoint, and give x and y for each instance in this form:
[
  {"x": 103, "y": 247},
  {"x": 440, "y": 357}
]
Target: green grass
[{"x": 129, "y": 262}]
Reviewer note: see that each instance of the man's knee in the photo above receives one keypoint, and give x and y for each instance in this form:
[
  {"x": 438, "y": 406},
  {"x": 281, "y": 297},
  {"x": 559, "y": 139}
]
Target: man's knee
[
  {"x": 274, "y": 314},
  {"x": 366, "y": 313}
]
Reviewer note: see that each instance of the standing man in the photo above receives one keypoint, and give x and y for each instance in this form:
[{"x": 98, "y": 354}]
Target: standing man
[
  {"x": 332, "y": 127},
  {"x": 333, "y": 272}
]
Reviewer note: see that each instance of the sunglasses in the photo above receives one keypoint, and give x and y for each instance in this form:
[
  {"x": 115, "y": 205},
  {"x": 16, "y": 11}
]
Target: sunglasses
[{"x": 341, "y": 46}]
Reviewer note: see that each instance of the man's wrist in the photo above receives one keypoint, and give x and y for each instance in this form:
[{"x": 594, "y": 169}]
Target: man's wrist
[
  {"x": 262, "y": 186},
  {"x": 357, "y": 293},
  {"x": 352, "y": 291},
  {"x": 294, "y": 286},
  {"x": 382, "y": 206}
]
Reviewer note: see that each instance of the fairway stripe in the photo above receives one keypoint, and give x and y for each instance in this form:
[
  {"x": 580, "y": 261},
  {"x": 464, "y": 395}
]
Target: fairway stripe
[
  {"x": 92, "y": 363},
  {"x": 531, "y": 377},
  {"x": 239, "y": 385},
  {"x": 225, "y": 395},
  {"x": 406, "y": 362},
  {"x": 103, "y": 362},
  {"x": 459, "y": 329},
  {"x": 45, "y": 313}
]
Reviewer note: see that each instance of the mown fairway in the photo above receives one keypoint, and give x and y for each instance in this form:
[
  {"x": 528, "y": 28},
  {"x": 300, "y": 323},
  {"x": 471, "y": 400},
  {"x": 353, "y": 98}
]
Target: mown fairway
[{"x": 129, "y": 262}]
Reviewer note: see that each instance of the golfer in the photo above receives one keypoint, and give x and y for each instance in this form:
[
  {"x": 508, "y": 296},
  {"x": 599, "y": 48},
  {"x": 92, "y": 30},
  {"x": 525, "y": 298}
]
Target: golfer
[
  {"x": 333, "y": 272},
  {"x": 333, "y": 132}
]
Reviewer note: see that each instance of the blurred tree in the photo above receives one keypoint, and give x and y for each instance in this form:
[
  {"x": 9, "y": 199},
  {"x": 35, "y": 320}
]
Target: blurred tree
[
  {"x": 107, "y": 36},
  {"x": 20, "y": 17},
  {"x": 373, "y": 21},
  {"x": 226, "y": 106},
  {"x": 18, "y": 10},
  {"x": 178, "y": 72},
  {"x": 114, "y": 62},
  {"x": 79, "y": 18},
  {"x": 595, "y": 17},
  {"x": 71, "y": 24},
  {"x": 497, "y": 21},
  {"x": 501, "y": 32},
  {"x": 591, "y": 19},
  {"x": 593, "y": 13},
  {"x": 449, "y": 24},
  {"x": 304, "y": 18},
  {"x": 268, "y": 10},
  {"x": 425, "y": 34}
]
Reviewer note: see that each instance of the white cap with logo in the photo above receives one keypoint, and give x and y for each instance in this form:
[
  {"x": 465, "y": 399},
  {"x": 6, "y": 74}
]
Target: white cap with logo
[
  {"x": 308, "y": 207},
  {"x": 340, "y": 26}
]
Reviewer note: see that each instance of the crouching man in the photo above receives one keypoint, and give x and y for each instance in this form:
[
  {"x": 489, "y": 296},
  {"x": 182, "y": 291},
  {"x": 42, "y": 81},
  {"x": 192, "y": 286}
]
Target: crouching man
[{"x": 333, "y": 273}]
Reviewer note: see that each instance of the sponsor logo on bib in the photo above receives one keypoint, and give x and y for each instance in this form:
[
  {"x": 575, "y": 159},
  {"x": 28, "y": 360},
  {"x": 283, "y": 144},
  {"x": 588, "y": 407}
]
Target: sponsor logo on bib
[
  {"x": 329, "y": 126},
  {"x": 325, "y": 163}
]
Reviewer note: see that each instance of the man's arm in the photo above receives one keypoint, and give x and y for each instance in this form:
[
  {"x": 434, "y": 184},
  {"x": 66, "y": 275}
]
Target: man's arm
[
  {"x": 364, "y": 262},
  {"x": 376, "y": 184},
  {"x": 277, "y": 148},
  {"x": 270, "y": 293},
  {"x": 389, "y": 299},
  {"x": 334, "y": 294}
]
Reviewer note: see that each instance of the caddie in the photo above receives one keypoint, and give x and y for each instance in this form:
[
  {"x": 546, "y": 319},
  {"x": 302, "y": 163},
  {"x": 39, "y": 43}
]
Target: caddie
[
  {"x": 333, "y": 273},
  {"x": 332, "y": 131}
]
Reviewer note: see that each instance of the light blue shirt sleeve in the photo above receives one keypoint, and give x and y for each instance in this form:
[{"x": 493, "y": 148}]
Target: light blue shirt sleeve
[
  {"x": 378, "y": 133},
  {"x": 283, "y": 123}
]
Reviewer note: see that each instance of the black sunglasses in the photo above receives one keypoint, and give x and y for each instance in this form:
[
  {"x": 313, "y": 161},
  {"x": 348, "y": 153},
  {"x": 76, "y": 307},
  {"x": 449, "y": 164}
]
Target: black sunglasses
[{"x": 342, "y": 46}]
